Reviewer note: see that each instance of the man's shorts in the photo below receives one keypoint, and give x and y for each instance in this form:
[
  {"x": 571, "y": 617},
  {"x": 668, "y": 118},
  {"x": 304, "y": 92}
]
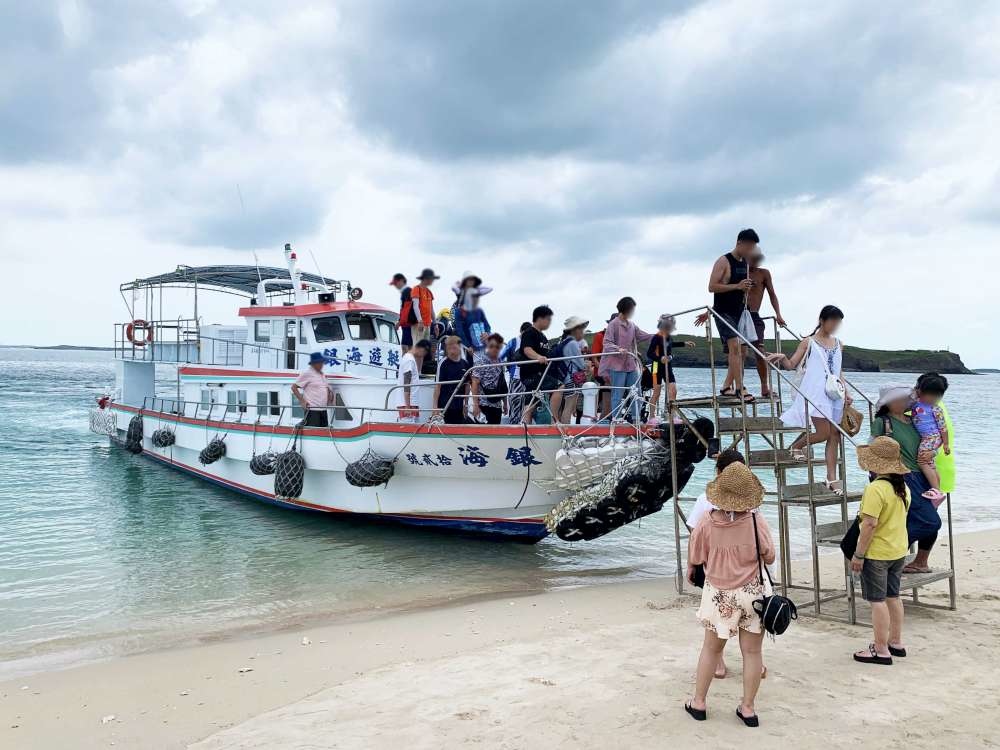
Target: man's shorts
[
  {"x": 406, "y": 336},
  {"x": 758, "y": 324},
  {"x": 725, "y": 331},
  {"x": 880, "y": 579}
]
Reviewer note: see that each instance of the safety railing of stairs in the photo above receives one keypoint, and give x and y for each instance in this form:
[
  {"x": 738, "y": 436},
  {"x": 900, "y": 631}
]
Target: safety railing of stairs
[{"x": 746, "y": 420}]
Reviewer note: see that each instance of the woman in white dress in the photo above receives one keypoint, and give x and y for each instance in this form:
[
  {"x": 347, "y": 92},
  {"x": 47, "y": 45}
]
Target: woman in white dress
[{"x": 822, "y": 355}]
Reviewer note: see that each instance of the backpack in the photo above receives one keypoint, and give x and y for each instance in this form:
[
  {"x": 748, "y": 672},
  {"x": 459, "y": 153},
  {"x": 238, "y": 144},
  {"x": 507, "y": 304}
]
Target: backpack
[{"x": 559, "y": 370}]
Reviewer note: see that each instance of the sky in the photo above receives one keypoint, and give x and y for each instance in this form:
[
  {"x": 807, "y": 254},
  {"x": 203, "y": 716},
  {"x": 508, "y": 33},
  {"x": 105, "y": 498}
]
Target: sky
[{"x": 568, "y": 153}]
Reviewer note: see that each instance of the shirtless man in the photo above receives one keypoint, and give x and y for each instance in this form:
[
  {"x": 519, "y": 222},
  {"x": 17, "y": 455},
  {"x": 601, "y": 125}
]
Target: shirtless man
[
  {"x": 730, "y": 283},
  {"x": 762, "y": 282}
]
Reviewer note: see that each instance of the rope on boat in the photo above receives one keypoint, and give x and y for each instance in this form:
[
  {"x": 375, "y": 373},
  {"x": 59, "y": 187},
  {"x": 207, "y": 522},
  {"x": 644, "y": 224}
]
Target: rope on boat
[
  {"x": 103, "y": 422},
  {"x": 261, "y": 464}
]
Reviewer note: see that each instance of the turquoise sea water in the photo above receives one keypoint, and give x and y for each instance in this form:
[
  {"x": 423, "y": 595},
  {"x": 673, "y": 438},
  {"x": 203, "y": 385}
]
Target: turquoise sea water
[{"x": 105, "y": 553}]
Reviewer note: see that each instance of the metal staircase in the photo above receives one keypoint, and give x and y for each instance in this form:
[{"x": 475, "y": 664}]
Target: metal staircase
[{"x": 757, "y": 431}]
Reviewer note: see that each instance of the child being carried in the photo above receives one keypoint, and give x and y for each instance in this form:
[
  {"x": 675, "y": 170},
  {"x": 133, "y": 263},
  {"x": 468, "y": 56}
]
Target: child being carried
[{"x": 928, "y": 420}]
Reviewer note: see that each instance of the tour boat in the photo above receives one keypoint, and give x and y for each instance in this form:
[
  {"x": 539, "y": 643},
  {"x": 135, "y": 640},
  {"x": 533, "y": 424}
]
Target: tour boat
[{"x": 231, "y": 387}]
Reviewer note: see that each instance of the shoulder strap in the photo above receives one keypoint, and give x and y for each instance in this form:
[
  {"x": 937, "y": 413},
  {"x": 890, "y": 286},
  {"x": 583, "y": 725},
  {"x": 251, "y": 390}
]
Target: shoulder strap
[{"x": 761, "y": 567}]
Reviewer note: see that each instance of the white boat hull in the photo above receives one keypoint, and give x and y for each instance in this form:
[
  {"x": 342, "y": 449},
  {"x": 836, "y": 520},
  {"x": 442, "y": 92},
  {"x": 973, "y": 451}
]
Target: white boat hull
[{"x": 466, "y": 478}]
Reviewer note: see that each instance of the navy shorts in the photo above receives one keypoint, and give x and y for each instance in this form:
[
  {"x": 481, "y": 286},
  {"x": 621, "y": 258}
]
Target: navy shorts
[
  {"x": 880, "y": 579},
  {"x": 406, "y": 336}
]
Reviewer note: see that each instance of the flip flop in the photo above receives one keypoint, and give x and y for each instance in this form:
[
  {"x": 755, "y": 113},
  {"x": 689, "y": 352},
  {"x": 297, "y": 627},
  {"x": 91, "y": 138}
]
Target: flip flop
[
  {"x": 900, "y": 652},
  {"x": 748, "y": 398},
  {"x": 912, "y": 570},
  {"x": 874, "y": 658},
  {"x": 696, "y": 714},
  {"x": 750, "y": 721}
]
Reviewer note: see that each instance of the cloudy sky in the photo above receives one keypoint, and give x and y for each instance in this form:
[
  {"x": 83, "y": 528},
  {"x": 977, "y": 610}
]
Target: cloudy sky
[{"x": 568, "y": 152}]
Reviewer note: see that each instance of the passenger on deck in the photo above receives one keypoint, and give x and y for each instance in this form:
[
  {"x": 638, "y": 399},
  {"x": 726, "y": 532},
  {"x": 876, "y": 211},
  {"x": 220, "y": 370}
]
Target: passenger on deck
[
  {"x": 405, "y": 312},
  {"x": 313, "y": 392},
  {"x": 489, "y": 385},
  {"x": 762, "y": 282},
  {"x": 572, "y": 373},
  {"x": 410, "y": 365},
  {"x": 451, "y": 369},
  {"x": 659, "y": 355},
  {"x": 822, "y": 354},
  {"x": 536, "y": 375},
  {"x": 422, "y": 299},
  {"x": 619, "y": 363},
  {"x": 471, "y": 324},
  {"x": 725, "y": 542},
  {"x": 510, "y": 353},
  {"x": 597, "y": 348}
]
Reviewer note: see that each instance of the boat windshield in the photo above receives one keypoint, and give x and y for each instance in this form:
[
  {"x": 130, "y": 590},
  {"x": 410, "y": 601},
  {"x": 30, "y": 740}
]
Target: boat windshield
[{"x": 328, "y": 329}]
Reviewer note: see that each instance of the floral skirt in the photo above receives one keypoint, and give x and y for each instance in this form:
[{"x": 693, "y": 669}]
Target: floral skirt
[{"x": 728, "y": 611}]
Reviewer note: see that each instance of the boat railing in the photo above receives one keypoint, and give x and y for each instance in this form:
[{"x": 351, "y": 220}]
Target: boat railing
[
  {"x": 534, "y": 395},
  {"x": 180, "y": 341}
]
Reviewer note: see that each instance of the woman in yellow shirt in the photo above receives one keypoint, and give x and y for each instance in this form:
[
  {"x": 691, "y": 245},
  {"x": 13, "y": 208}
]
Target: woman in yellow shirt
[{"x": 882, "y": 548}]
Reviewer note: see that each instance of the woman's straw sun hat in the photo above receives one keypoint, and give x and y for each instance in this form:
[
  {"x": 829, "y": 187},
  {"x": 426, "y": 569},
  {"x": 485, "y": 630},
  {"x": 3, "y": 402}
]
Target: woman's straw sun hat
[
  {"x": 736, "y": 489},
  {"x": 881, "y": 456}
]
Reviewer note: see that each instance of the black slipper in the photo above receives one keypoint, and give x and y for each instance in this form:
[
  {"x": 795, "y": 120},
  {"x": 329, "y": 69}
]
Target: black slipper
[
  {"x": 874, "y": 658},
  {"x": 696, "y": 714},
  {"x": 901, "y": 652},
  {"x": 750, "y": 721}
]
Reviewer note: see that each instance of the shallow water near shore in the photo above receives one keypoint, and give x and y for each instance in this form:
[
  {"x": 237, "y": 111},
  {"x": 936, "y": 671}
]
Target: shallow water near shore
[{"x": 105, "y": 553}]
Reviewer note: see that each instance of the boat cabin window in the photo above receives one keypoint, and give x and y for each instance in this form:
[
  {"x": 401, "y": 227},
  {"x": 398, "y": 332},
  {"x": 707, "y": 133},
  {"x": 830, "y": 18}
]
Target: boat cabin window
[
  {"x": 362, "y": 327},
  {"x": 328, "y": 329},
  {"x": 262, "y": 330},
  {"x": 267, "y": 403},
  {"x": 302, "y": 333},
  {"x": 387, "y": 331},
  {"x": 207, "y": 397},
  {"x": 236, "y": 402}
]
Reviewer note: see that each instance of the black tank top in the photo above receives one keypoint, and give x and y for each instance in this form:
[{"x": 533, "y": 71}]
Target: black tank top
[{"x": 731, "y": 303}]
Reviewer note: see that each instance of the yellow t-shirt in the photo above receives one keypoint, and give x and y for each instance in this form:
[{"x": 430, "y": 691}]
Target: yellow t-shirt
[{"x": 890, "y": 541}]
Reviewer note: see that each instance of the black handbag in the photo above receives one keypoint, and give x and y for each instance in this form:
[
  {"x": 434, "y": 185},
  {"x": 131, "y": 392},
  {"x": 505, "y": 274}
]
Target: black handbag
[
  {"x": 698, "y": 576},
  {"x": 849, "y": 544},
  {"x": 776, "y": 612}
]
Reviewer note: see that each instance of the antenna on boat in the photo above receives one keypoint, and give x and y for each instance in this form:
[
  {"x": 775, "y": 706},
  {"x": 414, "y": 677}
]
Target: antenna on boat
[{"x": 319, "y": 270}]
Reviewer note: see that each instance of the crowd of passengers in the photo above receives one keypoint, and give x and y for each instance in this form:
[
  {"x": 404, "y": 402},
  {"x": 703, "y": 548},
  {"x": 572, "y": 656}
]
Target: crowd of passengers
[{"x": 529, "y": 378}]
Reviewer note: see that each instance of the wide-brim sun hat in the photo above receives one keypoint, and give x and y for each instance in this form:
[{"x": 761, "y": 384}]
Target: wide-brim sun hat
[
  {"x": 881, "y": 456},
  {"x": 888, "y": 393},
  {"x": 575, "y": 321},
  {"x": 428, "y": 273},
  {"x": 736, "y": 489},
  {"x": 466, "y": 275}
]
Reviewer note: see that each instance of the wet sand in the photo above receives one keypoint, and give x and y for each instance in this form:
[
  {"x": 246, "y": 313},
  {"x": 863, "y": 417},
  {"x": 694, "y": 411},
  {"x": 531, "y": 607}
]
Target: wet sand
[{"x": 588, "y": 667}]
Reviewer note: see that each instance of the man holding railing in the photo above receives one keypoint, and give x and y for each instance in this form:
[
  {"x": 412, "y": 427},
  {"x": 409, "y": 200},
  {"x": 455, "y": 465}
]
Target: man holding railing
[{"x": 313, "y": 392}]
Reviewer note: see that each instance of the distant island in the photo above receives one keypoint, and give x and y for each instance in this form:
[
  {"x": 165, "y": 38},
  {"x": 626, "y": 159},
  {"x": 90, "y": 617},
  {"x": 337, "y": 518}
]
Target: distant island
[{"x": 855, "y": 358}]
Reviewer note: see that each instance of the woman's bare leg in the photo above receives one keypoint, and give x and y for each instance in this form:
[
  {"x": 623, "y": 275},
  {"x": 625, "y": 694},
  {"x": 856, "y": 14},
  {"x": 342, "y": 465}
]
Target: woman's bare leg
[
  {"x": 832, "y": 453},
  {"x": 654, "y": 401},
  {"x": 820, "y": 434},
  {"x": 711, "y": 650},
  {"x": 556, "y": 403},
  {"x": 753, "y": 662},
  {"x": 569, "y": 410}
]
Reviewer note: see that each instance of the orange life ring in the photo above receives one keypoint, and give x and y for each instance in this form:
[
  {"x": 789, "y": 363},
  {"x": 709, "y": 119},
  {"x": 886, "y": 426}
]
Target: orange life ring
[{"x": 141, "y": 324}]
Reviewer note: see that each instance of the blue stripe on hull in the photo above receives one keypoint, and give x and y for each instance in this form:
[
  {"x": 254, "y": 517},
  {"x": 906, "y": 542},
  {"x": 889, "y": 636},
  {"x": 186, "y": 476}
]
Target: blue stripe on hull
[{"x": 516, "y": 531}]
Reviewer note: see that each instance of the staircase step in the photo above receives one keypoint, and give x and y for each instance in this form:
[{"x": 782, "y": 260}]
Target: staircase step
[
  {"x": 800, "y": 493},
  {"x": 762, "y": 425},
  {"x": 765, "y": 458}
]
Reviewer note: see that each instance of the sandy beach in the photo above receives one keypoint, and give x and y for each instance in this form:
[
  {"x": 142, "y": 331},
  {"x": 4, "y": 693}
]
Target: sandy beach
[{"x": 588, "y": 667}]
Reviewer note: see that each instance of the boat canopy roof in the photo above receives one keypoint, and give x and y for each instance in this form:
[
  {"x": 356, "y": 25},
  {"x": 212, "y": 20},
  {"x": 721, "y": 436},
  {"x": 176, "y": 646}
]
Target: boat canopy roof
[{"x": 240, "y": 280}]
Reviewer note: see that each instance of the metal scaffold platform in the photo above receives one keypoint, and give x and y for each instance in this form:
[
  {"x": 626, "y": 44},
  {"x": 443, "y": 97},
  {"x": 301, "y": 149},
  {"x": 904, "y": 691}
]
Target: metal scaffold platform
[{"x": 757, "y": 430}]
